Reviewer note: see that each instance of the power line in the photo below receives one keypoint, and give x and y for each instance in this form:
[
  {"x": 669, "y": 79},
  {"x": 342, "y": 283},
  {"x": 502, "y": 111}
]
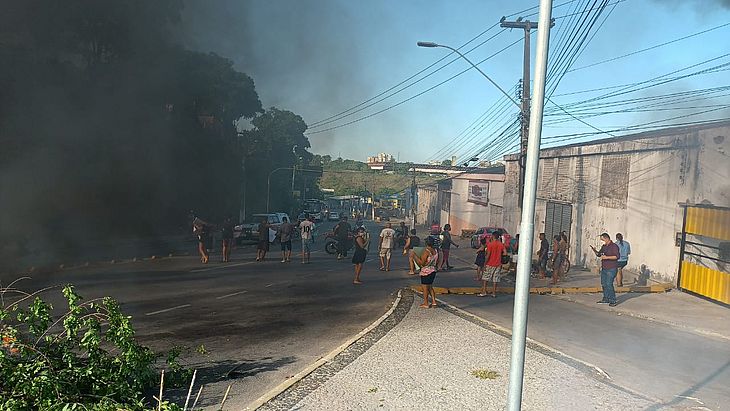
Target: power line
[
  {"x": 414, "y": 96},
  {"x": 656, "y": 46},
  {"x": 357, "y": 106}
]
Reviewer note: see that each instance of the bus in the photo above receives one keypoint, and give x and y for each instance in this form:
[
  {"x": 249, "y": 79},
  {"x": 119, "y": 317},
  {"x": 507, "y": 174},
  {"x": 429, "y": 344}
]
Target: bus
[{"x": 316, "y": 209}]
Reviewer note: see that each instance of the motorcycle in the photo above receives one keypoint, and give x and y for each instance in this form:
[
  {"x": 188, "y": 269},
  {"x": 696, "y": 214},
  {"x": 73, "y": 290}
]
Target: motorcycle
[{"x": 331, "y": 243}]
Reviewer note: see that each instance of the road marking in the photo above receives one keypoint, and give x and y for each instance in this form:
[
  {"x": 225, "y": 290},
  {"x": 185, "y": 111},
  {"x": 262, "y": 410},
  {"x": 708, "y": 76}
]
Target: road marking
[
  {"x": 230, "y": 295},
  {"x": 168, "y": 309},
  {"x": 270, "y": 285},
  {"x": 220, "y": 267}
]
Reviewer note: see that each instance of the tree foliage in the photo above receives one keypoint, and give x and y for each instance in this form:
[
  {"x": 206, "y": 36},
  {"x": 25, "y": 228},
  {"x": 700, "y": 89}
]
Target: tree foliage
[
  {"x": 87, "y": 358},
  {"x": 111, "y": 129}
]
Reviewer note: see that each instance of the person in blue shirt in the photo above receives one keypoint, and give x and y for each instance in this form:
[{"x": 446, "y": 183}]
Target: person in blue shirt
[{"x": 624, "y": 249}]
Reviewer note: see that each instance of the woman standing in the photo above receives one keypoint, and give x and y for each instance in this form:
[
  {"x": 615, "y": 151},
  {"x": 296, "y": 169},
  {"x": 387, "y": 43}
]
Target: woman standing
[
  {"x": 446, "y": 244},
  {"x": 481, "y": 258},
  {"x": 201, "y": 230},
  {"x": 360, "y": 253},
  {"x": 427, "y": 261},
  {"x": 558, "y": 258}
]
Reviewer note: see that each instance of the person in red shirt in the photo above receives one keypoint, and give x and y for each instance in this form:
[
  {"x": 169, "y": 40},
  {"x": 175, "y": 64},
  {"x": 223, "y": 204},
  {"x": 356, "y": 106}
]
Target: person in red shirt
[
  {"x": 609, "y": 255},
  {"x": 493, "y": 266}
]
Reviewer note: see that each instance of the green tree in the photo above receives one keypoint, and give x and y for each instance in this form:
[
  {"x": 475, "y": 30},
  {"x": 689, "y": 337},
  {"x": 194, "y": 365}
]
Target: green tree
[{"x": 276, "y": 141}]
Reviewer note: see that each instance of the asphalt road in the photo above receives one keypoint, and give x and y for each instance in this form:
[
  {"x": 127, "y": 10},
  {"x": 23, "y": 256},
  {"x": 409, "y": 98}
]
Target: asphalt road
[
  {"x": 254, "y": 324},
  {"x": 678, "y": 367},
  {"x": 246, "y": 323}
]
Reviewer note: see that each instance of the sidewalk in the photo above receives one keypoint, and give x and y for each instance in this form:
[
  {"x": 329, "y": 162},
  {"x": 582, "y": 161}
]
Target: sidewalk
[{"x": 444, "y": 360}]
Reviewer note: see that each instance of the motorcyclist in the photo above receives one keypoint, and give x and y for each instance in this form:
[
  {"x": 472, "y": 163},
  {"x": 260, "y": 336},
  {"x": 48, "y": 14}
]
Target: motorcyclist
[{"x": 343, "y": 234}]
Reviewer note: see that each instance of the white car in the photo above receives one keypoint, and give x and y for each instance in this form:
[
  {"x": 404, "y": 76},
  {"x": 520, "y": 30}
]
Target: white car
[{"x": 334, "y": 216}]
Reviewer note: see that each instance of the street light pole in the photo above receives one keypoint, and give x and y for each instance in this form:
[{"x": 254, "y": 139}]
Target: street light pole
[
  {"x": 527, "y": 229},
  {"x": 432, "y": 44},
  {"x": 268, "y": 184}
]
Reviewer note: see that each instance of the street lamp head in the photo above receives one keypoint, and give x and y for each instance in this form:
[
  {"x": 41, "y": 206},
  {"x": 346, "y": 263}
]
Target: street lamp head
[{"x": 427, "y": 44}]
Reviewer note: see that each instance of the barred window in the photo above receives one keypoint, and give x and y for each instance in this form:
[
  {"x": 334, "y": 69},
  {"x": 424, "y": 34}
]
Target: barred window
[
  {"x": 614, "y": 189},
  {"x": 547, "y": 182}
]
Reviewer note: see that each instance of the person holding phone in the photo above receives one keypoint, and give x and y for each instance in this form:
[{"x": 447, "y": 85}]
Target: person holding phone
[{"x": 609, "y": 255}]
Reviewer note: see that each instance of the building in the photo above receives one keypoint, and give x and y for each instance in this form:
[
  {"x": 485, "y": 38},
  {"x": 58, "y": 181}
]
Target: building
[
  {"x": 382, "y": 161},
  {"x": 638, "y": 185},
  {"x": 466, "y": 201}
]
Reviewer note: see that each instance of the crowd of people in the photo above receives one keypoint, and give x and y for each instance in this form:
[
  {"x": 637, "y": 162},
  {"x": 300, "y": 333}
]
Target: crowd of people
[{"x": 426, "y": 258}]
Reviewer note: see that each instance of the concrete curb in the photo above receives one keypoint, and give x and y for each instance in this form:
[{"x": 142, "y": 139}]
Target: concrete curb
[
  {"x": 659, "y": 288},
  {"x": 332, "y": 354}
]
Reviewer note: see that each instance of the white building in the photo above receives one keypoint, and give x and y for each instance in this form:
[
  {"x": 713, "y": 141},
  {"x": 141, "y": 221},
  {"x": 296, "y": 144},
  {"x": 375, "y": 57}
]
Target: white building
[{"x": 466, "y": 201}]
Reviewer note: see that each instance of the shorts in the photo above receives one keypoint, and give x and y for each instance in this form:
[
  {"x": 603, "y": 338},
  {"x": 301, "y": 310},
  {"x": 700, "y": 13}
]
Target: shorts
[
  {"x": 543, "y": 263},
  {"x": 385, "y": 252},
  {"x": 306, "y": 243},
  {"x": 493, "y": 274},
  {"x": 286, "y": 245},
  {"x": 622, "y": 264},
  {"x": 480, "y": 260},
  {"x": 227, "y": 242},
  {"x": 428, "y": 279},
  {"x": 263, "y": 245},
  {"x": 359, "y": 256}
]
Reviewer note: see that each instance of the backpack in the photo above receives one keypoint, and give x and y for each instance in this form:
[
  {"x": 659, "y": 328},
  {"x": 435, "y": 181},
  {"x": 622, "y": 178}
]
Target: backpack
[{"x": 415, "y": 241}]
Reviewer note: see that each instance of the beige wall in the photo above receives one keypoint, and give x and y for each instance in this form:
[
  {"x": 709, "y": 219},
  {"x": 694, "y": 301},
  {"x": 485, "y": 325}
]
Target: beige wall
[{"x": 664, "y": 170}]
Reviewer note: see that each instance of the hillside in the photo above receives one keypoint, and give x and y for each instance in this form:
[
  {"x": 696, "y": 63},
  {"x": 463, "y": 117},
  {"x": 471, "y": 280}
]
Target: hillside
[{"x": 354, "y": 177}]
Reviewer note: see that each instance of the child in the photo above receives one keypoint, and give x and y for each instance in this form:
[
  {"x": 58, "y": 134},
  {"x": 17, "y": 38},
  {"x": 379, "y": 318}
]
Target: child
[{"x": 480, "y": 260}]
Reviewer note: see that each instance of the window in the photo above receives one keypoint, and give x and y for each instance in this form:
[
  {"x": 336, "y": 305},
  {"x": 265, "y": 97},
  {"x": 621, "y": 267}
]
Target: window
[
  {"x": 547, "y": 182},
  {"x": 614, "y": 189}
]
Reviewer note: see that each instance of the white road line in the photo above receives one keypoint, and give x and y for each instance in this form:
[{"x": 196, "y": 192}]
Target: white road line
[
  {"x": 221, "y": 267},
  {"x": 230, "y": 295},
  {"x": 168, "y": 309},
  {"x": 270, "y": 285}
]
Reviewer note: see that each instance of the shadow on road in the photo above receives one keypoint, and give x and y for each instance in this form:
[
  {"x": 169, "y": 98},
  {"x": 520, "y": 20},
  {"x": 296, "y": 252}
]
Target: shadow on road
[
  {"x": 687, "y": 394},
  {"x": 229, "y": 369}
]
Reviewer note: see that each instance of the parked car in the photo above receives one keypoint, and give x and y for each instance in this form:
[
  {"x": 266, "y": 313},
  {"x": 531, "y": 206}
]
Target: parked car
[
  {"x": 334, "y": 216},
  {"x": 250, "y": 231},
  {"x": 484, "y": 231}
]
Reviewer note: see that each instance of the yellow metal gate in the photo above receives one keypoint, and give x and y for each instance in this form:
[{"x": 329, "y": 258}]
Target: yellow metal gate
[{"x": 704, "y": 257}]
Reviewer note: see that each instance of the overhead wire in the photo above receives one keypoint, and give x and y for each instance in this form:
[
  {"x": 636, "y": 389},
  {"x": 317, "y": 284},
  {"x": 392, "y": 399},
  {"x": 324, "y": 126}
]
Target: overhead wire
[{"x": 349, "y": 111}]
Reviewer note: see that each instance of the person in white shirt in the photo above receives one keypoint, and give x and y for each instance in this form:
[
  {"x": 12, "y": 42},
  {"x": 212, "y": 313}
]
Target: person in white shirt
[
  {"x": 306, "y": 229},
  {"x": 387, "y": 240}
]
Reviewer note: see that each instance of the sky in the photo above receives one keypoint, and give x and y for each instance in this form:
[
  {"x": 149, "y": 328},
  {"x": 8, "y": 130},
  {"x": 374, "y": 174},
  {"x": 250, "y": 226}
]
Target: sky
[{"x": 319, "y": 58}]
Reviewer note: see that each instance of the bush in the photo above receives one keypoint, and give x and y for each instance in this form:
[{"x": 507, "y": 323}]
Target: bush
[{"x": 87, "y": 358}]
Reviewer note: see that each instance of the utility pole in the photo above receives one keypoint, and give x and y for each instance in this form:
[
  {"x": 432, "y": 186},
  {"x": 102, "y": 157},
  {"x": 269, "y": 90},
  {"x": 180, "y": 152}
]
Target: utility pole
[
  {"x": 414, "y": 187},
  {"x": 527, "y": 26},
  {"x": 527, "y": 228}
]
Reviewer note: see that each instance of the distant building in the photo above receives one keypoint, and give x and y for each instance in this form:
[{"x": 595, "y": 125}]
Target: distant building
[
  {"x": 382, "y": 161},
  {"x": 468, "y": 200}
]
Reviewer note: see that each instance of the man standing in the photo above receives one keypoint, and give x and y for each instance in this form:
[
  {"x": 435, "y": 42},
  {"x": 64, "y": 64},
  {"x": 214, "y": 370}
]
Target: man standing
[
  {"x": 609, "y": 255},
  {"x": 263, "y": 245},
  {"x": 342, "y": 234},
  {"x": 285, "y": 232},
  {"x": 493, "y": 266},
  {"x": 387, "y": 238},
  {"x": 306, "y": 230},
  {"x": 624, "y": 249},
  {"x": 542, "y": 255}
]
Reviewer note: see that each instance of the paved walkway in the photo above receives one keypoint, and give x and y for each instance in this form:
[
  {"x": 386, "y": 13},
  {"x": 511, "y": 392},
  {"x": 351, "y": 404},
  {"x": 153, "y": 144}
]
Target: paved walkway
[{"x": 428, "y": 361}]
